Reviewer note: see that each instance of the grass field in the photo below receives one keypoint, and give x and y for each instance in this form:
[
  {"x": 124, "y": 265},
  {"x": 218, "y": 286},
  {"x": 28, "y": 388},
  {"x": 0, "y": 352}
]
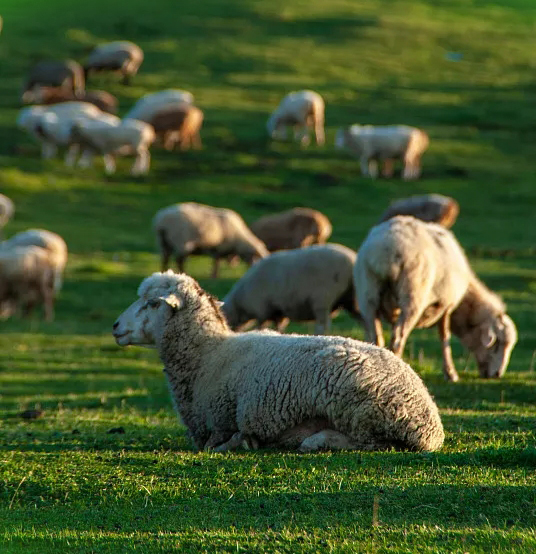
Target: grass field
[{"x": 108, "y": 468}]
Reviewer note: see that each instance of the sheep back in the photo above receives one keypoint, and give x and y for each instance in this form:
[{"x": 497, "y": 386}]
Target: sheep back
[
  {"x": 67, "y": 74},
  {"x": 434, "y": 208}
]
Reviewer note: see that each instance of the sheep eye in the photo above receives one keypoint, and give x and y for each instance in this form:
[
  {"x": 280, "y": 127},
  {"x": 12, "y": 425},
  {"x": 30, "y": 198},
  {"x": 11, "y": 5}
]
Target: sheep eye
[{"x": 153, "y": 303}]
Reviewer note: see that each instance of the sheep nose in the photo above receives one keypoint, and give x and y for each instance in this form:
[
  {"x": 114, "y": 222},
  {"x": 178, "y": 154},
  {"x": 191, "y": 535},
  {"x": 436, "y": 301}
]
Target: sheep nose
[{"x": 116, "y": 325}]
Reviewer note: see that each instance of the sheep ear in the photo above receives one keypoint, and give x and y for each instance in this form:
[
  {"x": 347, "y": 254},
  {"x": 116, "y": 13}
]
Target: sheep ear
[
  {"x": 173, "y": 301},
  {"x": 219, "y": 303},
  {"x": 488, "y": 337}
]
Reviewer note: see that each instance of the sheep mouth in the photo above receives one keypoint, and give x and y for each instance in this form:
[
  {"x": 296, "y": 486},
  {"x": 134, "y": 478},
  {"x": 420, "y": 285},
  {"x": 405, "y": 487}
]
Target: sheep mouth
[{"x": 121, "y": 338}]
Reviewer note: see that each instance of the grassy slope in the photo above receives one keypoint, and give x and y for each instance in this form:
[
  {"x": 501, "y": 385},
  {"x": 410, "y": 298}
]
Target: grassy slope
[{"x": 66, "y": 483}]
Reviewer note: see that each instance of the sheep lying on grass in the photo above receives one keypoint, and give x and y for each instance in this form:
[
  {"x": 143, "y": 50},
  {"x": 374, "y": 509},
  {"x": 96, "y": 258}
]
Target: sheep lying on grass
[
  {"x": 385, "y": 143},
  {"x": 293, "y": 228},
  {"x": 189, "y": 228},
  {"x": 66, "y": 74},
  {"x": 415, "y": 274},
  {"x": 303, "y": 111},
  {"x": 121, "y": 55},
  {"x": 434, "y": 208},
  {"x": 268, "y": 389},
  {"x": 54, "y": 95},
  {"x": 300, "y": 285}
]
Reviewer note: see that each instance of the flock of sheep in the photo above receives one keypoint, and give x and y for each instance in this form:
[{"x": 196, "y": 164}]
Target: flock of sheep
[{"x": 262, "y": 388}]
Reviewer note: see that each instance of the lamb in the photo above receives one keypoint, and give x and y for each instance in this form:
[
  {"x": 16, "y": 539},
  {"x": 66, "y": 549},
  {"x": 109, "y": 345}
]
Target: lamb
[
  {"x": 121, "y": 55},
  {"x": 434, "y": 208},
  {"x": 300, "y": 285},
  {"x": 66, "y": 74},
  {"x": 178, "y": 125},
  {"x": 150, "y": 104},
  {"x": 110, "y": 137},
  {"x": 7, "y": 209},
  {"x": 295, "y": 228},
  {"x": 26, "y": 279},
  {"x": 53, "y": 95},
  {"x": 373, "y": 143},
  {"x": 272, "y": 390},
  {"x": 415, "y": 274},
  {"x": 302, "y": 110},
  {"x": 52, "y": 243},
  {"x": 190, "y": 228}
]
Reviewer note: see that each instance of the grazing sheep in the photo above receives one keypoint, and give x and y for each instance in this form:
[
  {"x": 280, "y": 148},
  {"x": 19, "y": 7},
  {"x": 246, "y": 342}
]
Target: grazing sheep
[
  {"x": 7, "y": 209},
  {"x": 434, "y": 208},
  {"x": 303, "y": 111},
  {"x": 51, "y": 242},
  {"x": 26, "y": 279},
  {"x": 180, "y": 125},
  {"x": 295, "y": 228},
  {"x": 190, "y": 228},
  {"x": 53, "y": 95},
  {"x": 122, "y": 56},
  {"x": 66, "y": 74},
  {"x": 292, "y": 391},
  {"x": 415, "y": 274},
  {"x": 300, "y": 285},
  {"x": 109, "y": 138},
  {"x": 385, "y": 143},
  {"x": 150, "y": 104}
]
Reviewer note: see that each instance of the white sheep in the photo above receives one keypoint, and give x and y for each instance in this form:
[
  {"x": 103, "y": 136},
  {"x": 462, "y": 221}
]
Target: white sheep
[
  {"x": 303, "y": 111},
  {"x": 292, "y": 391},
  {"x": 415, "y": 274},
  {"x": 7, "y": 209},
  {"x": 109, "y": 136},
  {"x": 190, "y": 228},
  {"x": 51, "y": 242},
  {"x": 301, "y": 285},
  {"x": 434, "y": 208},
  {"x": 121, "y": 55},
  {"x": 150, "y": 104},
  {"x": 26, "y": 279},
  {"x": 385, "y": 143}
]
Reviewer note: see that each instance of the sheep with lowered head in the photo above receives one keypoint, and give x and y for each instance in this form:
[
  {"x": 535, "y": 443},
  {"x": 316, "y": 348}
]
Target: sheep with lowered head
[
  {"x": 300, "y": 285},
  {"x": 415, "y": 274},
  {"x": 189, "y": 228},
  {"x": 66, "y": 74},
  {"x": 299, "y": 392},
  {"x": 384, "y": 143},
  {"x": 122, "y": 56},
  {"x": 293, "y": 228},
  {"x": 179, "y": 124},
  {"x": 434, "y": 208},
  {"x": 150, "y": 104},
  {"x": 303, "y": 111}
]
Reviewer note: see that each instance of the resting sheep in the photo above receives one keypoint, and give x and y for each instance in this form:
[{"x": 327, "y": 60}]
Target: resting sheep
[
  {"x": 415, "y": 274},
  {"x": 66, "y": 74},
  {"x": 295, "y": 228},
  {"x": 384, "y": 143},
  {"x": 121, "y": 55},
  {"x": 291, "y": 391},
  {"x": 434, "y": 208},
  {"x": 302, "y": 110},
  {"x": 150, "y": 104},
  {"x": 190, "y": 228},
  {"x": 180, "y": 125},
  {"x": 26, "y": 279},
  {"x": 53, "y": 95},
  {"x": 299, "y": 285},
  {"x": 52, "y": 243},
  {"x": 7, "y": 209}
]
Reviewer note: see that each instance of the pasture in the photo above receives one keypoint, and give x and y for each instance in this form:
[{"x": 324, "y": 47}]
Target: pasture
[{"x": 108, "y": 467}]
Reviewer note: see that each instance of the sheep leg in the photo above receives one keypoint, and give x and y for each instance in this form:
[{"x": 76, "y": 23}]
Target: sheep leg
[
  {"x": 72, "y": 153},
  {"x": 215, "y": 268},
  {"x": 388, "y": 168},
  {"x": 180, "y": 263},
  {"x": 408, "y": 318},
  {"x": 371, "y": 321},
  {"x": 364, "y": 163},
  {"x": 319, "y": 131},
  {"x": 281, "y": 324},
  {"x": 444, "y": 333},
  {"x": 327, "y": 439},
  {"x": 323, "y": 321},
  {"x": 86, "y": 159},
  {"x": 48, "y": 150},
  {"x": 411, "y": 169},
  {"x": 238, "y": 440},
  {"x": 373, "y": 169},
  {"x": 109, "y": 164}
]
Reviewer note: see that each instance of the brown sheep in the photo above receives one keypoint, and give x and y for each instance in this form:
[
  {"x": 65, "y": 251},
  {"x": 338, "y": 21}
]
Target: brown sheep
[
  {"x": 179, "y": 124},
  {"x": 66, "y": 74},
  {"x": 54, "y": 95},
  {"x": 293, "y": 228}
]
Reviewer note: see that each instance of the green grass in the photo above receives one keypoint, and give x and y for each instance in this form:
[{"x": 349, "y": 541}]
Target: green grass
[{"x": 66, "y": 482}]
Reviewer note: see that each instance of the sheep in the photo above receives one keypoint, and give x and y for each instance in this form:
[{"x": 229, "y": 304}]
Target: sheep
[
  {"x": 121, "y": 55},
  {"x": 274, "y": 390},
  {"x": 178, "y": 125},
  {"x": 52, "y": 243},
  {"x": 26, "y": 278},
  {"x": 299, "y": 285},
  {"x": 150, "y": 104},
  {"x": 7, "y": 209},
  {"x": 434, "y": 208},
  {"x": 110, "y": 137},
  {"x": 302, "y": 110},
  {"x": 190, "y": 228},
  {"x": 66, "y": 74},
  {"x": 385, "y": 143},
  {"x": 53, "y": 95},
  {"x": 415, "y": 274},
  {"x": 295, "y": 228}
]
